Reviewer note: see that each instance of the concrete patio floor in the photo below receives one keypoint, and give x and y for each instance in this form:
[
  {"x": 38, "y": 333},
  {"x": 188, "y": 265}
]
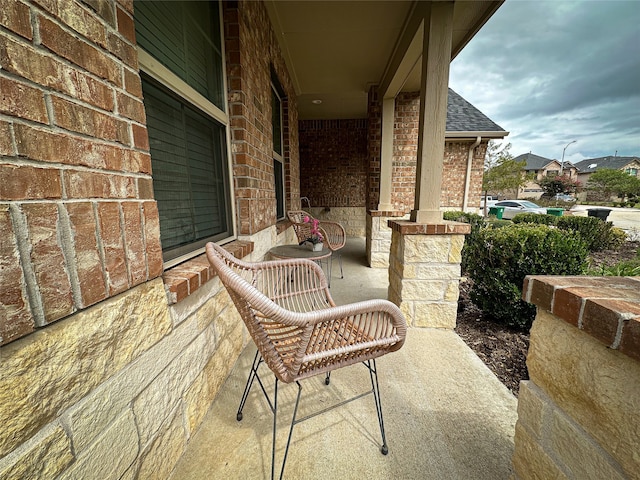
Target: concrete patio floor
[{"x": 446, "y": 415}]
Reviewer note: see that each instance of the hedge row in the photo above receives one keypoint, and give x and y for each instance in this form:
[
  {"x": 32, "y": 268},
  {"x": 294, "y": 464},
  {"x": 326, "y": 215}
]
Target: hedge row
[{"x": 599, "y": 235}]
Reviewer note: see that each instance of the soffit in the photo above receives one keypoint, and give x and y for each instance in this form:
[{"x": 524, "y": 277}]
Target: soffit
[{"x": 336, "y": 50}]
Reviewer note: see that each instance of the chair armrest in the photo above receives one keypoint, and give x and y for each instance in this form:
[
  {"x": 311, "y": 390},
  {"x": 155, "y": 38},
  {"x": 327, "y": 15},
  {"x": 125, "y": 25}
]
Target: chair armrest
[
  {"x": 375, "y": 319},
  {"x": 352, "y": 333},
  {"x": 384, "y": 308}
]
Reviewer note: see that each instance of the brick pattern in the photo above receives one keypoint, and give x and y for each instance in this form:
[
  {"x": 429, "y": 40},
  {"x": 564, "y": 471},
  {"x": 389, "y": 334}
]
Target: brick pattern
[
  {"x": 16, "y": 318},
  {"x": 251, "y": 51},
  {"x": 76, "y": 202},
  {"x": 405, "y": 227},
  {"x": 186, "y": 278},
  {"x": 607, "y": 308},
  {"x": 333, "y": 162},
  {"x": 405, "y": 153},
  {"x": 374, "y": 145}
]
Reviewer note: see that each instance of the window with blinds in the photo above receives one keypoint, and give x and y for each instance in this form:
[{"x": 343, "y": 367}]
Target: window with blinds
[
  {"x": 185, "y": 37},
  {"x": 187, "y": 131}
]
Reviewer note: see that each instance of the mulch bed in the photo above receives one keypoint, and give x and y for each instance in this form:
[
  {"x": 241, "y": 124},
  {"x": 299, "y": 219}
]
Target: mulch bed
[{"x": 504, "y": 349}]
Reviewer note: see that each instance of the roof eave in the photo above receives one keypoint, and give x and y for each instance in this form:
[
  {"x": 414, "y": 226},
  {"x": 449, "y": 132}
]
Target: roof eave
[{"x": 474, "y": 135}]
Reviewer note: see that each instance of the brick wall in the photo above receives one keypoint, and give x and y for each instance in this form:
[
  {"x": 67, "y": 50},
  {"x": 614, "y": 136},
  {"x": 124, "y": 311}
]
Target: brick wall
[
  {"x": 333, "y": 162},
  {"x": 374, "y": 145},
  {"x": 79, "y": 223},
  {"x": 251, "y": 48},
  {"x": 405, "y": 153}
]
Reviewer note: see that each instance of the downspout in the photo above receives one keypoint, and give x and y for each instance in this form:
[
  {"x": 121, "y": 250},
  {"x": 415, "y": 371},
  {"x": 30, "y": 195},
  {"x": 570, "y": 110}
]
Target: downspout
[{"x": 467, "y": 181}]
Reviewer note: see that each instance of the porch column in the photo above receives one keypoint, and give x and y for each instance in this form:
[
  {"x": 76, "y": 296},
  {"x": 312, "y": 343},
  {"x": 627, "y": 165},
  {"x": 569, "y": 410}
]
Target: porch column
[
  {"x": 424, "y": 271},
  {"x": 386, "y": 153},
  {"x": 436, "y": 57},
  {"x": 378, "y": 233}
]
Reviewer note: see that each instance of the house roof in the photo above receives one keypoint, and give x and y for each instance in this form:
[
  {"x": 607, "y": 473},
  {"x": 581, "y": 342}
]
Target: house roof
[
  {"x": 589, "y": 165},
  {"x": 464, "y": 117},
  {"x": 535, "y": 162}
]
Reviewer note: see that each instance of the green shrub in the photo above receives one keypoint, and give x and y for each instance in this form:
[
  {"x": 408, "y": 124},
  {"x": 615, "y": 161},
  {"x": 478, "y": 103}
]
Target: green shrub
[
  {"x": 599, "y": 235},
  {"x": 476, "y": 221},
  {"x": 535, "y": 218},
  {"x": 498, "y": 223},
  {"x": 498, "y": 259},
  {"x": 617, "y": 237}
]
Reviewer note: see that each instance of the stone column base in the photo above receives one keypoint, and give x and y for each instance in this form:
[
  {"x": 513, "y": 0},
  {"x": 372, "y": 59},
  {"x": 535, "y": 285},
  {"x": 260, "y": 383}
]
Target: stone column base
[
  {"x": 379, "y": 236},
  {"x": 424, "y": 271}
]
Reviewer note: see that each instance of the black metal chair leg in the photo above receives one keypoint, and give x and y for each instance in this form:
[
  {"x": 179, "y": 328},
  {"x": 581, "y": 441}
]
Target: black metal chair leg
[
  {"x": 340, "y": 262},
  {"x": 375, "y": 387},
  {"x": 273, "y": 438},
  {"x": 327, "y": 379},
  {"x": 247, "y": 388},
  {"x": 293, "y": 423}
]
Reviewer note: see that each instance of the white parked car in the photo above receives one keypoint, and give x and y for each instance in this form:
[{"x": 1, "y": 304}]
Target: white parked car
[
  {"x": 491, "y": 201},
  {"x": 514, "y": 207}
]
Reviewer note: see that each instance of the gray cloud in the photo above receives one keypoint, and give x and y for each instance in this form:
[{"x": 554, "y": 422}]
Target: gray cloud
[{"x": 555, "y": 71}]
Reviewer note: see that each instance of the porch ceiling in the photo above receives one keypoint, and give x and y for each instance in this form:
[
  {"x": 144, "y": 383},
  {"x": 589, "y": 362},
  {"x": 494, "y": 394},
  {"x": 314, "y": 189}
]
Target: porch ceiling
[{"x": 336, "y": 50}]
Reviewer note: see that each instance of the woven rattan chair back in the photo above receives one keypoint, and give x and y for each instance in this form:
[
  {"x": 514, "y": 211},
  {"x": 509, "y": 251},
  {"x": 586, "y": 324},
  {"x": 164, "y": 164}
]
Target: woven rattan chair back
[{"x": 333, "y": 232}]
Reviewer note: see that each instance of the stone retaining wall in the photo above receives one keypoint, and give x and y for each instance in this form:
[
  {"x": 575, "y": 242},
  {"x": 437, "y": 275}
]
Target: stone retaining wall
[{"x": 578, "y": 413}]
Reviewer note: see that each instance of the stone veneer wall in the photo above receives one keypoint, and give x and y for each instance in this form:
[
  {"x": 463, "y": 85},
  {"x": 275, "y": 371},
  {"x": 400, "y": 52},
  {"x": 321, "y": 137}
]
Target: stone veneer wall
[
  {"x": 379, "y": 237},
  {"x": 578, "y": 413},
  {"x": 93, "y": 396},
  {"x": 353, "y": 219},
  {"x": 424, "y": 271}
]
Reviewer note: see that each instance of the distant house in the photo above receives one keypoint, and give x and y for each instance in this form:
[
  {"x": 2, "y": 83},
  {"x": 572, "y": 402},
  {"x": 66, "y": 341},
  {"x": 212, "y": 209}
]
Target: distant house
[
  {"x": 586, "y": 167},
  {"x": 542, "y": 167}
]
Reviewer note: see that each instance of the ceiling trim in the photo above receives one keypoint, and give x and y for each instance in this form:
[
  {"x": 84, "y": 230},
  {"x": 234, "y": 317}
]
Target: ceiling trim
[
  {"x": 476, "y": 27},
  {"x": 406, "y": 53},
  {"x": 276, "y": 24},
  {"x": 474, "y": 135}
]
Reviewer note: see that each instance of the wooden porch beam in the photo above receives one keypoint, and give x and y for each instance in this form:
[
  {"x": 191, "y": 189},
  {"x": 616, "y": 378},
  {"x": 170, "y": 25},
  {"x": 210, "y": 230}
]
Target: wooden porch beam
[{"x": 436, "y": 59}]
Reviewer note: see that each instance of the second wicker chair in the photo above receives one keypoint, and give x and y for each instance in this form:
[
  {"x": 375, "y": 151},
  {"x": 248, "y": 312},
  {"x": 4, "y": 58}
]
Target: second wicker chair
[{"x": 333, "y": 232}]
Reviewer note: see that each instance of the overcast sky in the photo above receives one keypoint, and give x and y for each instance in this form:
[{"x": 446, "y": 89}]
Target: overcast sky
[{"x": 550, "y": 72}]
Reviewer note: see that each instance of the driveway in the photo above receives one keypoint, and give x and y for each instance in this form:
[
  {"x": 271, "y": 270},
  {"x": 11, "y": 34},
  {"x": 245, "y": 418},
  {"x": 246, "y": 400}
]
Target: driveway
[{"x": 628, "y": 219}]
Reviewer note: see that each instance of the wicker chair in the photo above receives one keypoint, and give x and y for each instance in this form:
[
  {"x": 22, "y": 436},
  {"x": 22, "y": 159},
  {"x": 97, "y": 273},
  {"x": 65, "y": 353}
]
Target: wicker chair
[
  {"x": 300, "y": 332},
  {"x": 333, "y": 232}
]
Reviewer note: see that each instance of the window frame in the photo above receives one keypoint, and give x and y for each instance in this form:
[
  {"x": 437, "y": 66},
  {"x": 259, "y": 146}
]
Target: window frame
[
  {"x": 161, "y": 74},
  {"x": 278, "y": 158}
]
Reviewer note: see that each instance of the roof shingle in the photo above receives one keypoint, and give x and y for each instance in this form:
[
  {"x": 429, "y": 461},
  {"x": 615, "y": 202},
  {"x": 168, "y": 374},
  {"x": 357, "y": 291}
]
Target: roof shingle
[
  {"x": 589, "y": 165},
  {"x": 464, "y": 117}
]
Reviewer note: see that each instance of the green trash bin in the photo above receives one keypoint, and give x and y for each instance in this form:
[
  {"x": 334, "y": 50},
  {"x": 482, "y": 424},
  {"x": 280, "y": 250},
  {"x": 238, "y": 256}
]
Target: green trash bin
[
  {"x": 497, "y": 211},
  {"x": 556, "y": 212}
]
